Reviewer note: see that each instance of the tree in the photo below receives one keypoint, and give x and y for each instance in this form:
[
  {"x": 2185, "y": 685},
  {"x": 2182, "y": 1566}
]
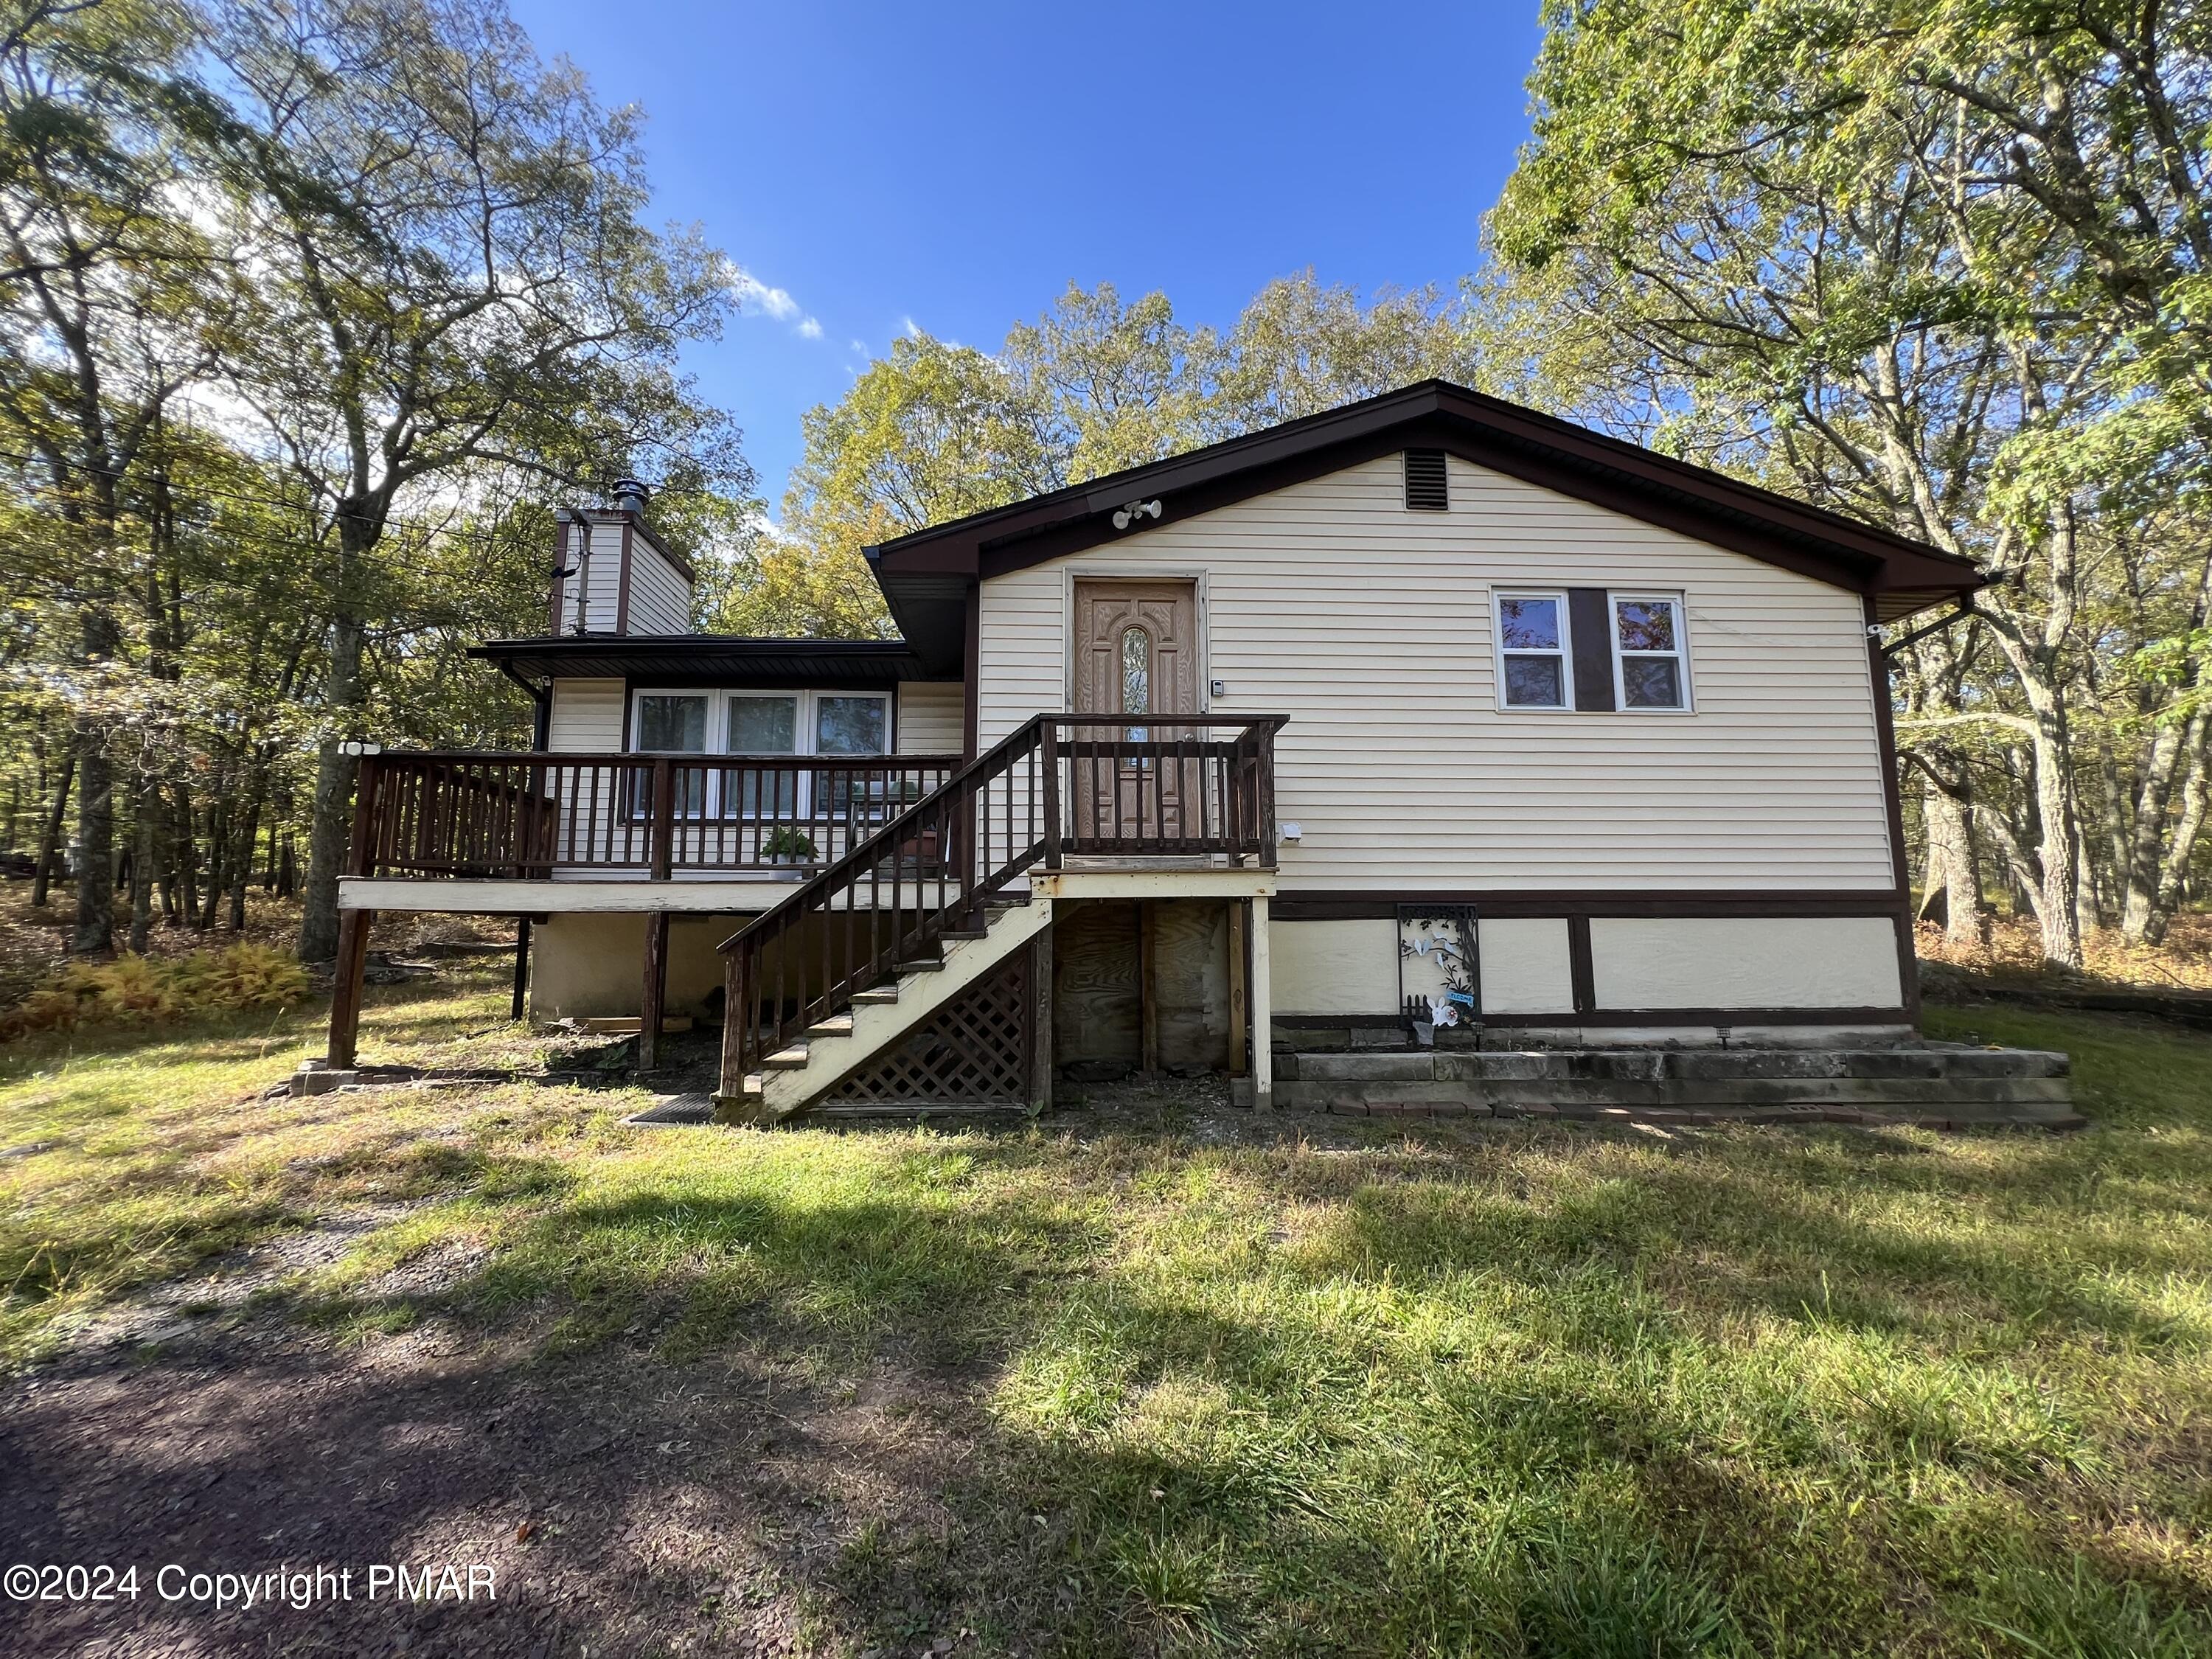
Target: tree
[
  {"x": 1096, "y": 385},
  {"x": 1299, "y": 348},
  {"x": 1855, "y": 257},
  {"x": 450, "y": 266},
  {"x": 107, "y": 294}
]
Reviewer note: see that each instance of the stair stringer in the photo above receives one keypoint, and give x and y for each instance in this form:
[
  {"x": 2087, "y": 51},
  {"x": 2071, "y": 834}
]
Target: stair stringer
[{"x": 773, "y": 1095}]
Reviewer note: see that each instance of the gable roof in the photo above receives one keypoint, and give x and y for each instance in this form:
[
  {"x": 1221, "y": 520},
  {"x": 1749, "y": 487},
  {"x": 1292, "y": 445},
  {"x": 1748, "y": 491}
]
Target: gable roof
[{"x": 926, "y": 575}]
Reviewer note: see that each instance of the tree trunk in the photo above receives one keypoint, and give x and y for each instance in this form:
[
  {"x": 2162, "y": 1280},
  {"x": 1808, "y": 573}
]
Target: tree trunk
[
  {"x": 95, "y": 810},
  {"x": 218, "y": 870},
  {"x": 188, "y": 860},
  {"x": 2196, "y": 797},
  {"x": 142, "y": 803},
  {"x": 248, "y": 827},
  {"x": 95, "y": 935},
  {"x": 2059, "y": 852},
  {"x": 331, "y": 824},
  {"x": 1952, "y": 894},
  {"x": 50, "y": 839}
]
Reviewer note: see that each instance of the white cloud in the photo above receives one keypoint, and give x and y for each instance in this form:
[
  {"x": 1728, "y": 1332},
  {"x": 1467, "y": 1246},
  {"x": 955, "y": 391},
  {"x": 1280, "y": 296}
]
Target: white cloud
[
  {"x": 861, "y": 347},
  {"x": 755, "y": 295},
  {"x": 913, "y": 329}
]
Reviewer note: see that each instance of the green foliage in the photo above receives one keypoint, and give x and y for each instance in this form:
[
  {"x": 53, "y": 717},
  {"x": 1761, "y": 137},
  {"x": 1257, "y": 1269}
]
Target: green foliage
[
  {"x": 786, "y": 841},
  {"x": 1941, "y": 272},
  {"x": 935, "y": 431},
  {"x": 134, "y": 990},
  {"x": 409, "y": 260}
]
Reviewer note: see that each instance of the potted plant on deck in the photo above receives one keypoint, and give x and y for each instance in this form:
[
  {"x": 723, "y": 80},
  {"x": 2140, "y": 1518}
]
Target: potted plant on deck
[{"x": 786, "y": 845}]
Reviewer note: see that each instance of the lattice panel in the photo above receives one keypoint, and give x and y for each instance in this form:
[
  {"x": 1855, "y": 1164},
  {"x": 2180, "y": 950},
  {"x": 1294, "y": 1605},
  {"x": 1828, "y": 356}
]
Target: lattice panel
[{"x": 976, "y": 1048}]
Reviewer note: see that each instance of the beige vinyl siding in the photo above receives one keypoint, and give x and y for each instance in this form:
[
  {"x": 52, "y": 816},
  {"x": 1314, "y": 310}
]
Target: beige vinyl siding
[
  {"x": 596, "y": 585},
  {"x": 933, "y": 717},
  {"x": 1371, "y": 627},
  {"x": 659, "y": 594},
  {"x": 587, "y": 718}
]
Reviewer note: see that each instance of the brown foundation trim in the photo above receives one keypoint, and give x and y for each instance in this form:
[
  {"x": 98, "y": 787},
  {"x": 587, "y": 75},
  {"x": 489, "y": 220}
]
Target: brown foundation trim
[
  {"x": 1612, "y": 1017},
  {"x": 1382, "y": 903},
  {"x": 1609, "y": 1018}
]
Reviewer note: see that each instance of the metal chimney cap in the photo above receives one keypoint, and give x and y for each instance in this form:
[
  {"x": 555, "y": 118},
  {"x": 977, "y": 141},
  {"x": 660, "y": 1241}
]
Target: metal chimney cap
[{"x": 629, "y": 495}]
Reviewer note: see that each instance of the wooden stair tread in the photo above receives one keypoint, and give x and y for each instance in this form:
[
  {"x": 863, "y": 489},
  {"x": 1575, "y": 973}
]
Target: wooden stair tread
[
  {"x": 875, "y": 999},
  {"x": 792, "y": 1059},
  {"x": 836, "y": 1026},
  {"x": 924, "y": 967}
]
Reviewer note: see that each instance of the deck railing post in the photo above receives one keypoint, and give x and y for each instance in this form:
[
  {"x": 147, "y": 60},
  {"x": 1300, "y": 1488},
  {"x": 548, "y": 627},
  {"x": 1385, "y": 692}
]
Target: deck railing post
[
  {"x": 1051, "y": 763},
  {"x": 363, "y": 856},
  {"x": 664, "y": 818},
  {"x": 1265, "y": 778}
]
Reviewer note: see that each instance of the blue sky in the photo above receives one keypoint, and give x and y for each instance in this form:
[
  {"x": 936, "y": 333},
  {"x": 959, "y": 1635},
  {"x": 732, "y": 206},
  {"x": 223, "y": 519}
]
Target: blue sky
[{"x": 958, "y": 165}]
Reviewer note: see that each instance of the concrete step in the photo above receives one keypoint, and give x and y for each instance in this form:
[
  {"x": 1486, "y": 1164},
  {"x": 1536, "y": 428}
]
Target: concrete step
[
  {"x": 1668, "y": 1065},
  {"x": 1759, "y": 1091},
  {"x": 1930, "y": 1082}
]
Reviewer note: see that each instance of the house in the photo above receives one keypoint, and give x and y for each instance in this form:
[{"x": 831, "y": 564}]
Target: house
[{"x": 1427, "y": 721}]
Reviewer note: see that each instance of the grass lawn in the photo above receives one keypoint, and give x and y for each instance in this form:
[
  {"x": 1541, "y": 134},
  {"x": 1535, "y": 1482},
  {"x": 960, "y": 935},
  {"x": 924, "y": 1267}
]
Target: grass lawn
[{"x": 1163, "y": 1381}]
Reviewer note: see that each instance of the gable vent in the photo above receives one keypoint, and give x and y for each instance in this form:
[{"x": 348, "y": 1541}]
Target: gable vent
[{"x": 1425, "y": 489}]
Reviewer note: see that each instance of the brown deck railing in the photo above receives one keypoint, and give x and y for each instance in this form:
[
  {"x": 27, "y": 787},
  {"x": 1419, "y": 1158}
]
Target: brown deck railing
[
  {"x": 525, "y": 816},
  {"x": 1053, "y": 788}
]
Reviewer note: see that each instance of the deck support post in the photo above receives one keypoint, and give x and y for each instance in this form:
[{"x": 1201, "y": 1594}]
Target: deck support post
[
  {"x": 521, "y": 968},
  {"x": 352, "y": 965},
  {"x": 1040, "y": 1067},
  {"x": 1240, "y": 929},
  {"x": 1148, "y": 984},
  {"x": 655, "y": 998},
  {"x": 1263, "y": 1019}
]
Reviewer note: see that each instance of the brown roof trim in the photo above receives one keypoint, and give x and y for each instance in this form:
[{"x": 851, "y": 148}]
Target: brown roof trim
[
  {"x": 716, "y": 659},
  {"x": 1904, "y": 575}
]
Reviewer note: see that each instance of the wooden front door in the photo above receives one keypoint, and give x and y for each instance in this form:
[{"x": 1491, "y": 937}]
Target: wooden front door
[{"x": 1136, "y": 656}]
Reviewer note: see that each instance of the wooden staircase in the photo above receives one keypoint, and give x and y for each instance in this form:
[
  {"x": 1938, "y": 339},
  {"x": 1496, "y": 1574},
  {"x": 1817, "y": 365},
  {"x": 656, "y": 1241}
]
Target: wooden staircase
[
  {"x": 834, "y": 1047},
  {"x": 917, "y": 916}
]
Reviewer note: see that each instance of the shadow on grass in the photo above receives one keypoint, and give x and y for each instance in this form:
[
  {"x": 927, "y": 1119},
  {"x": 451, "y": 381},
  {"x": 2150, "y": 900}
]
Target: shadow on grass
[
  {"x": 1440, "y": 1420},
  {"x": 1546, "y": 1394}
]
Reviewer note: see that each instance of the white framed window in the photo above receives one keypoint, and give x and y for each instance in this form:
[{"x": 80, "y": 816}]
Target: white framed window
[
  {"x": 1651, "y": 653},
  {"x": 1535, "y": 667},
  {"x": 757, "y": 723}
]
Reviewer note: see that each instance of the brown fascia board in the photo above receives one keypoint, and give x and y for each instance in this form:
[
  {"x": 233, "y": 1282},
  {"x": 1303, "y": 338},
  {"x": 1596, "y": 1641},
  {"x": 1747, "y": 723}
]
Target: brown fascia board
[
  {"x": 702, "y": 657},
  {"x": 1487, "y": 431}
]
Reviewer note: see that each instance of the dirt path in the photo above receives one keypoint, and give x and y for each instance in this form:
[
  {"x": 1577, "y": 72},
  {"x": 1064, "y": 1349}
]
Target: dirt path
[{"x": 619, "y": 1504}]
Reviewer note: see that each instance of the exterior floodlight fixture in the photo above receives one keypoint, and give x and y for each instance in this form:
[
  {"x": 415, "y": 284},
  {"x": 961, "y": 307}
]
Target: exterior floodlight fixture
[
  {"x": 1125, "y": 516},
  {"x": 354, "y": 746}
]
